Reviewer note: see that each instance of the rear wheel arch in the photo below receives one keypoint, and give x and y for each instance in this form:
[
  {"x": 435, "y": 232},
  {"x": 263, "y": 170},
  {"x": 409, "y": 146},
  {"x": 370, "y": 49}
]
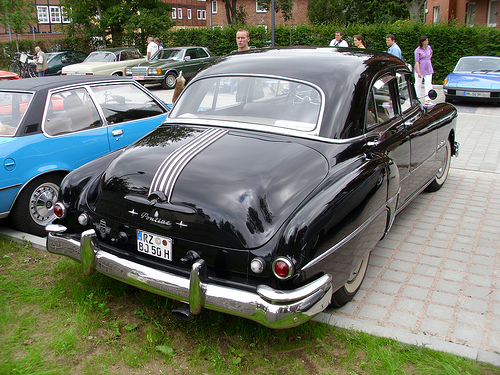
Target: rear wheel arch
[{"x": 33, "y": 206}]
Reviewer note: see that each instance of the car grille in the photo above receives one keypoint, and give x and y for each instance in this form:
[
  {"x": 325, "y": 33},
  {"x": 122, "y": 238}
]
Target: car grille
[{"x": 139, "y": 71}]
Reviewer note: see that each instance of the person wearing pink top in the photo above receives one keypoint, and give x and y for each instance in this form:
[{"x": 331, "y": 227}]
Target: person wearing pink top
[{"x": 423, "y": 67}]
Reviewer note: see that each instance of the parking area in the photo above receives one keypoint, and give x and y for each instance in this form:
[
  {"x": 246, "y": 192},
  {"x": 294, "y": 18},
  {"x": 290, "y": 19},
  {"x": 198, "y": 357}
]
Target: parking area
[{"x": 434, "y": 280}]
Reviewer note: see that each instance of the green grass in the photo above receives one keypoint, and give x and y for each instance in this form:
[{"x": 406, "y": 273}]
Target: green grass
[{"x": 54, "y": 320}]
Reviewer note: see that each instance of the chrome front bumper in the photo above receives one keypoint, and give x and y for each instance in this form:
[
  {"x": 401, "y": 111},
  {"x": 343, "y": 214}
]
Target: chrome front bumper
[{"x": 272, "y": 308}]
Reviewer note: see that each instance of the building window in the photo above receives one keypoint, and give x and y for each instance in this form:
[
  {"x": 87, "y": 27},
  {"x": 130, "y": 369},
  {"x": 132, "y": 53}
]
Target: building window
[
  {"x": 202, "y": 14},
  {"x": 214, "y": 7},
  {"x": 492, "y": 13},
  {"x": 179, "y": 13},
  {"x": 259, "y": 9},
  {"x": 189, "y": 14},
  {"x": 469, "y": 14},
  {"x": 55, "y": 14},
  {"x": 174, "y": 13},
  {"x": 435, "y": 18},
  {"x": 64, "y": 15},
  {"x": 42, "y": 13}
]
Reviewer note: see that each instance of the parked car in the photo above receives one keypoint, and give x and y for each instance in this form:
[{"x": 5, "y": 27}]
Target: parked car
[
  {"x": 52, "y": 125},
  {"x": 165, "y": 66},
  {"x": 57, "y": 60},
  {"x": 108, "y": 61},
  {"x": 274, "y": 176},
  {"x": 5, "y": 75},
  {"x": 474, "y": 78}
]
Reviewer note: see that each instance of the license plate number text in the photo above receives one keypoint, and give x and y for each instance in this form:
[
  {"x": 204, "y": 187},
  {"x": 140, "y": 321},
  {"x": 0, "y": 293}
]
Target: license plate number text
[{"x": 154, "y": 245}]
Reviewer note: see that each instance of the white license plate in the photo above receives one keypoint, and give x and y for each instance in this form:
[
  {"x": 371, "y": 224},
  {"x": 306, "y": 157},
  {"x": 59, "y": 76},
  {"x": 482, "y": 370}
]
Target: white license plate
[
  {"x": 476, "y": 94},
  {"x": 138, "y": 78},
  {"x": 152, "y": 244}
]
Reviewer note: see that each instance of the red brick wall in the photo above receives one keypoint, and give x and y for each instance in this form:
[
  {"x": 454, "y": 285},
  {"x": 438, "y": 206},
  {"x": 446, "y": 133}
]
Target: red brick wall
[
  {"x": 260, "y": 18},
  {"x": 457, "y": 9}
]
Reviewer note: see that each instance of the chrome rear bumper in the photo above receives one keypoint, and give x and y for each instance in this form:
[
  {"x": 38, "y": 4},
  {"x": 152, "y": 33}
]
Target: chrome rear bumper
[{"x": 272, "y": 308}]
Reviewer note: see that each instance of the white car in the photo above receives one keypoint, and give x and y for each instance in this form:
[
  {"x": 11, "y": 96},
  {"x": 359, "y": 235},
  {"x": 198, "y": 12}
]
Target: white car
[{"x": 109, "y": 61}]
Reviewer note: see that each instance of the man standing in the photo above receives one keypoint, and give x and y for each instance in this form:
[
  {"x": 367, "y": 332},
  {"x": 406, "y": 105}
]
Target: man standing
[
  {"x": 338, "y": 41},
  {"x": 152, "y": 48},
  {"x": 40, "y": 61},
  {"x": 393, "y": 46},
  {"x": 242, "y": 39}
]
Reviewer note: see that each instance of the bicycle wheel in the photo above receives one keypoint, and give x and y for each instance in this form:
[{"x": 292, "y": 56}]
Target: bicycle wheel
[
  {"x": 14, "y": 67},
  {"x": 32, "y": 71}
]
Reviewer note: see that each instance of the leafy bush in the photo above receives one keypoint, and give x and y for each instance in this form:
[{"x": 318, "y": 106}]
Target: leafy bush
[{"x": 448, "y": 41}]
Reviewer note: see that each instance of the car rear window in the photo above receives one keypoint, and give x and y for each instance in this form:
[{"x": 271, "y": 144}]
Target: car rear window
[
  {"x": 13, "y": 106},
  {"x": 278, "y": 103}
]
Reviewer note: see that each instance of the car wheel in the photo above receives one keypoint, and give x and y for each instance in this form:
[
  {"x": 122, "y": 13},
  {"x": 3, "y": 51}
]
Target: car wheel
[
  {"x": 168, "y": 82},
  {"x": 34, "y": 207},
  {"x": 116, "y": 74},
  {"x": 442, "y": 173},
  {"x": 350, "y": 288}
]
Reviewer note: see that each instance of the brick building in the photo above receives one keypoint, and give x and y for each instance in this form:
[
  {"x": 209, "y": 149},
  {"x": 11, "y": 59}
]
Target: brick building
[
  {"x": 185, "y": 13},
  {"x": 473, "y": 13}
]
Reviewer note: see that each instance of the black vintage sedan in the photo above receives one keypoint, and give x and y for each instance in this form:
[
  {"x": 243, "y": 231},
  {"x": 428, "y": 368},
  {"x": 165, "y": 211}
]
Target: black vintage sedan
[{"x": 264, "y": 191}]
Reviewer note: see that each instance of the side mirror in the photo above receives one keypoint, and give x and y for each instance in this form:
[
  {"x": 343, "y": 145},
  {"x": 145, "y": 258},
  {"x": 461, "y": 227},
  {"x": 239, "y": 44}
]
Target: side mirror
[
  {"x": 432, "y": 94},
  {"x": 187, "y": 58}
]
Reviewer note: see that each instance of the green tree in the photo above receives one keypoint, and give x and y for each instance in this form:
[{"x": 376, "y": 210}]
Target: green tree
[
  {"x": 118, "y": 23},
  {"x": 326, "y": 11},
  {"x": 16, "y": 16},
  {"x": 354, "y": 11}
]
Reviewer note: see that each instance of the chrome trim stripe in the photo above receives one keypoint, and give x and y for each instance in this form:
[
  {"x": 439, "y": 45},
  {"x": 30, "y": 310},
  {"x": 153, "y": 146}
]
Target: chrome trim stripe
[{"x": 173, "y": 165}]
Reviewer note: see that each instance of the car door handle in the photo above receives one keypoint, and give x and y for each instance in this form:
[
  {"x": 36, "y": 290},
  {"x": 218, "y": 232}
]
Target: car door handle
[{"x": 117, "y": 132}]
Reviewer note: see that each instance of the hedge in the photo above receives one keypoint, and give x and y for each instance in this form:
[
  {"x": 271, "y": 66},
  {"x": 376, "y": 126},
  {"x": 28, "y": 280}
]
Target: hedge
[{"x": 448, "y": 41}]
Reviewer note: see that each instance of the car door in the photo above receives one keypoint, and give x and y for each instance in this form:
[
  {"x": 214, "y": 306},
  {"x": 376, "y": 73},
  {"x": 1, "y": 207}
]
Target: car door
[
  {"x": 424, "y": 140},
  {"x": 385, "y": 124},
  {"x": 129, "y": 111},
  {"x": 75, "y": 129},
  {"x": 195, "y": 59}
]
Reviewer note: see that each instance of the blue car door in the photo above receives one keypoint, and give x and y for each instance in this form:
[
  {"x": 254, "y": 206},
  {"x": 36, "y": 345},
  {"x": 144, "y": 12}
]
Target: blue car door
[{"x": 129, "y": 112}]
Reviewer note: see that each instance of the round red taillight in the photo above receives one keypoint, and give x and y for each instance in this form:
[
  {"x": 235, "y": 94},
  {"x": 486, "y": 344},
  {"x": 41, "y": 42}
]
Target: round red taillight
[
  {"x": 59, "y": 210},
  {"x": 282, "y": 268}
]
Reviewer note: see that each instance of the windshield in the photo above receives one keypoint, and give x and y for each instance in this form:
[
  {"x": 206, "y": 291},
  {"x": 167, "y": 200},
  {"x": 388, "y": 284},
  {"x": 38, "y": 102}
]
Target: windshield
[
  {"x": 13, "y": 106},
  {"x": 252, "y": 100},
  {"x": 168, "y": 54},
  {"x": 480, "y": 64},
  {"x": 101, "y": 56}
]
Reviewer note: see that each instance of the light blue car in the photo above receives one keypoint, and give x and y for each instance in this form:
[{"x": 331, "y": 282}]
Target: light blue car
[
  {"x": 52, "y": 125},
  {"x": 475, "y": 78}
]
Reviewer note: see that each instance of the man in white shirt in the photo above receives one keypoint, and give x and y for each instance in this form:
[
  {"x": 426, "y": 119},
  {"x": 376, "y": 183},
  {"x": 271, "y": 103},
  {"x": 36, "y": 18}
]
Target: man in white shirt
[
  {"x": 338, "y": 41},
  {"x": 152, "y": 48}
]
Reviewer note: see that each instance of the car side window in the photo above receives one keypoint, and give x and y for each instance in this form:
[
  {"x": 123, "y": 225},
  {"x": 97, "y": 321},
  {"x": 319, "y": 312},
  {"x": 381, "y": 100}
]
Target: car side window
[
  {"x": 191, "y": 53},
  {"x": 125, "y": 102},
  {"x": 201, "y": 53},
  {"x": 71, "y": 111},
  {"x": 384, "y": 106},
  {"x": 405, "y": 98}
]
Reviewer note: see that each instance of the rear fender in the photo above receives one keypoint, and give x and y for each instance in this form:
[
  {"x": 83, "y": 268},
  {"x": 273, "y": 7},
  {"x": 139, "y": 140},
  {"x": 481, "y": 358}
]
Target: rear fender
[{"x": 341, "y": 222}]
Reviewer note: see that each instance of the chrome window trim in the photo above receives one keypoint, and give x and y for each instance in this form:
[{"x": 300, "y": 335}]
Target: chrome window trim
[{"x": 314, "y": 132}]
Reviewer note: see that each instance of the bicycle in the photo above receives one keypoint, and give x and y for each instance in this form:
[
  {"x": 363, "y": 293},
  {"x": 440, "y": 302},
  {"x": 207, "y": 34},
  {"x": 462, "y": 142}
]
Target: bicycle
[{"x": 22, "y": 66}]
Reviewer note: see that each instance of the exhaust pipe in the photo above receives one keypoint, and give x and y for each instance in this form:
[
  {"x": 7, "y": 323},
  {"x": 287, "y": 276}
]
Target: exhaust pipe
[{"x": 183, "y": 312}]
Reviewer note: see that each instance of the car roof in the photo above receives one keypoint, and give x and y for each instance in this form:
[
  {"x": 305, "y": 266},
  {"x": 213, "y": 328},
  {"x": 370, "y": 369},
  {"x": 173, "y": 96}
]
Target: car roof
[
  {"x": 116, "y": 49},
  {"x": 313, "y": 64},
  {"x": 51, "y": 82},
  {"x": 344, "y": 75}
]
